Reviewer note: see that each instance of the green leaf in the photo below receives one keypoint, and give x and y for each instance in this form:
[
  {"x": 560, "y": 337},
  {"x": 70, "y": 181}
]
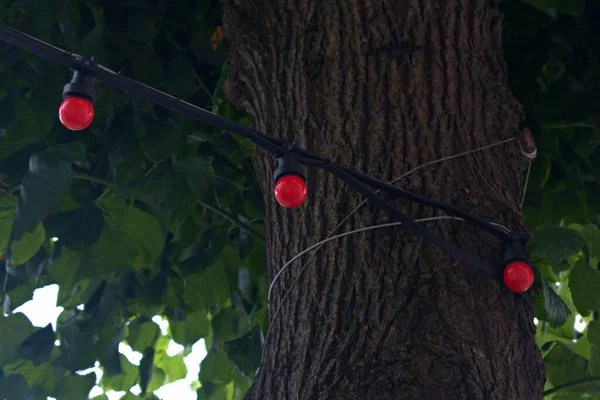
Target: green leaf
[
  {"x": 141, "y": 26},
  {"x": 39, "y": 345},
  {"x": 42, "y": 375},
  {"x": 142, "y": 335},
  {"x": 555, "y": 244},
  {"x": 569, "y": 7},
  {"x": 141, "y": 227},
  {"x": 195, "y": 327},
  {"x": 592, "y": 237},
  {"x": 113, "y": 252},
  {"x": 216, "y": 368},
  {"x": 15, "y": 387},
  {"x": 178, "y": 78},
  {"x": 146, "y": 369},
  {"x": 15, "y": 329},
  {"x": 26, "y": 247},
  {"x": 173, "y": 367},
  {"x": 157, "y": 380},
  {"x": 584, "y": 282},
  {"x": 47, "y": 180},
  {"x": 593, "y": 335},
  {"x": 564, "y": 365},
  {"x": 75, "y": 386},
  {"x": 65, "y": 270},
  {"x": 208, "y": 288},
  {"x": 123, "y": 381},
  {"x": 7, "y": 215},
  {"x": 53, "y": 381},
  {"x": 557, "y": 311},
  {"x": 245, "y": 352},
  {"x": 198, "y": 173},
  {"x": 76, "y": 229}
]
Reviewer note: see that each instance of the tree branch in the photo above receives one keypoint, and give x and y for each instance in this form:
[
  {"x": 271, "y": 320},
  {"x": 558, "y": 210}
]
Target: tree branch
[
  {"x": 81, "y": 175},
  {"x": 234, "y": 220}
]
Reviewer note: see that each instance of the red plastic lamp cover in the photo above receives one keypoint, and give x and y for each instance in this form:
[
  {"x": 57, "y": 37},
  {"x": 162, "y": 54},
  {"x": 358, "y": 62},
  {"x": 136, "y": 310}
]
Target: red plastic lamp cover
[
  {"x": 76, "y": 113},
  {"x": 518, "y": 276},
  {"x": 290, "y": 191}
]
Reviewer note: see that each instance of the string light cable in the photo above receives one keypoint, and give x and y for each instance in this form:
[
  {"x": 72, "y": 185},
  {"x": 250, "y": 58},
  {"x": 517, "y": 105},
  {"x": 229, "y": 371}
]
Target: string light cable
[
  {"x": 427, "y": 164},
  {"x": 330, "y": 237},
  {"x": 289, "y": 179}
]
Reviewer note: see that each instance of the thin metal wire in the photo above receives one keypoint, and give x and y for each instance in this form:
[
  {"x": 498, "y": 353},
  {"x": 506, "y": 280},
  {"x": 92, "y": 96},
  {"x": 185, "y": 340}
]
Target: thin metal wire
[
  {"x": 500, "y": 226},
  {"x": 328, "y": 239},
  {"x": 526, "y": 183},
  {"x": 530, "y": 156},
  {"x": 322, "y": 242},
  {"x": 464, "y": 153},
  {"x": 461, "y": 154}
]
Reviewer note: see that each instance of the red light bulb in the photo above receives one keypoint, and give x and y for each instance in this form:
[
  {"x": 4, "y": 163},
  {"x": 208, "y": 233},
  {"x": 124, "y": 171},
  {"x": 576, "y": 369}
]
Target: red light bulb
[
  {"x": 290, "y": 191},
  {"x": 518, "y": 276},
  {"x": 76, "y": 113}
]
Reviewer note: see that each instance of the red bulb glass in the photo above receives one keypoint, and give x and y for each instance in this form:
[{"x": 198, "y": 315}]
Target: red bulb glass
[
  {"x": 76, "y": 113},
  {"x": 290, "y": 191},
  {"x": 518, "y": 276}
]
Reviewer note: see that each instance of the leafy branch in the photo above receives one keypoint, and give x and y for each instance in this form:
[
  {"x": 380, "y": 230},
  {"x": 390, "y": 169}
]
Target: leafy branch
[
  {"x": 214, "y": 209},
  {"x": 80, "y": 175},
  {"x": 234, "y": 220}
]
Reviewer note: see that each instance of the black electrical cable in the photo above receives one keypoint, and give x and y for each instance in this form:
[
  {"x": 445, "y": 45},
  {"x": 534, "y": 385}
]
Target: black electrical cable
[
  {"x": 417, "y": 228},
  {"x": 406, "y": 194},
  {"x": 136, "y": 88},
  {"x": 270, "y": 144},
  {"x": 274, "y": 146}
]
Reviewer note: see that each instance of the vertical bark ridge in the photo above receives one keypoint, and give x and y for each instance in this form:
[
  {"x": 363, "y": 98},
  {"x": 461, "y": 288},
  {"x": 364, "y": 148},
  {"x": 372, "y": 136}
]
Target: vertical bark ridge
[{"x": 384, "y": 86}]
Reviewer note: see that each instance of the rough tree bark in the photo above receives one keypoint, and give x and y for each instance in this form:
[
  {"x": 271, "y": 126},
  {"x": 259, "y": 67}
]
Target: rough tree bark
[{"x": 383, "y": 86}]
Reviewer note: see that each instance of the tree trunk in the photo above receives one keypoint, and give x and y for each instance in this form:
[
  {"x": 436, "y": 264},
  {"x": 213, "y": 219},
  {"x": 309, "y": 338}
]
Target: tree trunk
[{"x": 384, "y": 86}]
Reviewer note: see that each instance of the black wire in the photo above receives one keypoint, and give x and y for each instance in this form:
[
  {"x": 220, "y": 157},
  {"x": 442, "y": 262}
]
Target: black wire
[
  {"x": 353, "y": 178},
  {"x": 406, "y": 194},
  {"x": 136, "y": 88},
  {"x": 270, "y": 144},
  {"x": 274, "y": 146},
  {"x": 417, "y": 228}
]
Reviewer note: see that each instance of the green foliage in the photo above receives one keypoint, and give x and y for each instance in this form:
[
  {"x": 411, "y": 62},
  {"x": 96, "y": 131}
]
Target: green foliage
[
  {"x": 555, "y": 244},
  {"x": 147, "y": 213},
  {"x": 24, "y": 248}
]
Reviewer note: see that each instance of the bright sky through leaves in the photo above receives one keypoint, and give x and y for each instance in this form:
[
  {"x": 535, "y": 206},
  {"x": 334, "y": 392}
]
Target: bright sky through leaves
[{"x": 42, "y": 310}]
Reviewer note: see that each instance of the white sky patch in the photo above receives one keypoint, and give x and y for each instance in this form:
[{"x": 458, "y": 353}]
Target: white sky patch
[
  {"x": 134, "y": 357},
  {"x": 580, "y": 325},
  {"x": 174, "y": 348},
  {"x": 162, "y": 323},
  {"x": 42, "y": 310},
  {"x": 137, "y": 390},
  {"x": 96, "y": 391}
]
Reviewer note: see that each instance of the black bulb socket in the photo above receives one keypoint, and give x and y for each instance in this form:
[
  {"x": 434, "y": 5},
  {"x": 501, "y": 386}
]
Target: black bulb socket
[
  {"x": 288, "y": 165},
  {"x": 81, "y": 85},
  {"x": 515, "y": 249}
]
